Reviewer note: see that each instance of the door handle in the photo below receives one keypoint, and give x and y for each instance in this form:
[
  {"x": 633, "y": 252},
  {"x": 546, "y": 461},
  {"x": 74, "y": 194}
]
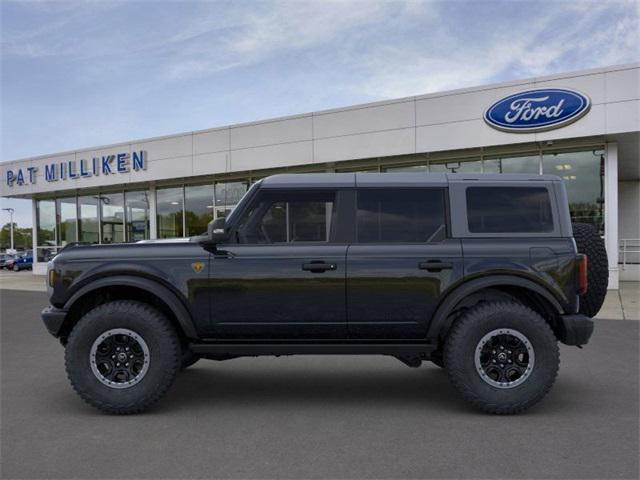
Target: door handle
[
  {"x": 318, "y": 267},
  {"x": 435, "y": 266}
]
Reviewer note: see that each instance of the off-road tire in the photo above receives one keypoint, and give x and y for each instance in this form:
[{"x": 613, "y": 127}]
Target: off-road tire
[
  {"x": 188, "y": 358},
  {"x": 164, "y": 356},
  {"x": 589, "y": 242},
  {"x": 463, "y": 339}
]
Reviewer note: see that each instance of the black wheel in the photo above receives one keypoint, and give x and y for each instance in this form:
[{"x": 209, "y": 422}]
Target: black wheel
[
  {"x": 188, "y": 358},
  {"x": 502, "y": 356},
  {"x": 589, "y": 242},
  {"x": 122, "y": 356}
]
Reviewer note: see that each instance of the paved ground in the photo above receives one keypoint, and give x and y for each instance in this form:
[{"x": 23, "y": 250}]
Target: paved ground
[{"x": 315, "y": 417}]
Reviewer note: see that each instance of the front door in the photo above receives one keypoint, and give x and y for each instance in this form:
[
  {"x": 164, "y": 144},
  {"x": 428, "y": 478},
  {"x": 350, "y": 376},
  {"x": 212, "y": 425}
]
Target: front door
[
  {"x": 401, "y": 263},
  {"x": 285, "y": 275}
]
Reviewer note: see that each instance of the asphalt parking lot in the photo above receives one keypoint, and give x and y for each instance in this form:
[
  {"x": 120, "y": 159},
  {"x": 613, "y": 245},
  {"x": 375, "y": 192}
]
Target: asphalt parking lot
[{"x": 316, "y": 417}]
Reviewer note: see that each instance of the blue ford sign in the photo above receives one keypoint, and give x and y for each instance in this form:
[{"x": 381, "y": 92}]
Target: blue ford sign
[{"x": 537, "y": 110}]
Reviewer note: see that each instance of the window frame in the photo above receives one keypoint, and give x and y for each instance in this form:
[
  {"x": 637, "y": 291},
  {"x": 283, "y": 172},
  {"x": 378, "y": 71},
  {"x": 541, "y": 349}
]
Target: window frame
[
  {"x": 336, "y": 234},
  {"x": 447, "y": 218},
  {"x": 459, "y": 217}
]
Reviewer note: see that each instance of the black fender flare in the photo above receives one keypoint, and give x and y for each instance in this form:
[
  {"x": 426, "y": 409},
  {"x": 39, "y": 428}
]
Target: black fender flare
[
  {"x": 163, "y": 293},
  {"x": 441, "y": 322}
]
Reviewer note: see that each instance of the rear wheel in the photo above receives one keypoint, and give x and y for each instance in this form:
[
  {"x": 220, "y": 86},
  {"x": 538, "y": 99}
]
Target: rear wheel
[
  {"x": 502, "y": 357},
  {"x": 589, "y": 242},
  {"x": 122, "y": 356}
]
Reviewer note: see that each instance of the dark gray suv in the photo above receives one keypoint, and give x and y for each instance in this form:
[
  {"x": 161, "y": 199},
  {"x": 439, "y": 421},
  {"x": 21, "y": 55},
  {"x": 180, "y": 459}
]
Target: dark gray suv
[{"x": 479, "y": 274}]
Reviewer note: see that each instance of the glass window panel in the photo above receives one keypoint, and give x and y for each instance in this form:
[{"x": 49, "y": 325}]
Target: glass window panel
[
  {"x": 88, "y": 221},
  {"x": 456, "y": 166},
  {"x": 112, "y": 217},
  {"x": 46, "y": 218},
  {"x": 583, "y": 176},
  {"x": 68, "y": 216},
  {"x": 169, "y": 206},
  {"x": 404, "y": 216},
  {"x": 407, "y": 168},
  {"x": 527, "y": 164},
  {"x": 227, "y": 195},
  {"x": 289, "y": 217},
  {"x": 198, "y": 208},
  {"x": 137, "y": 215},
  {"x": 509, "y": 209}
]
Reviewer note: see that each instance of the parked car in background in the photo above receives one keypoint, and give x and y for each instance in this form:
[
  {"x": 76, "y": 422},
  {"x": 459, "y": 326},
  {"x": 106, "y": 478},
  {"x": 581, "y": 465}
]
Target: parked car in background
[
  {"x": 4, "y": 258},
  {"x": 23, "y": 261}
]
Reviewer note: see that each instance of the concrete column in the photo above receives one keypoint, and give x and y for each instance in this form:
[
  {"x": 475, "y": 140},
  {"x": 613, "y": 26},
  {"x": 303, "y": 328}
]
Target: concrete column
[
  {"x": 611, "y": 212},
  {"x": 39, "y": 268},
  {"x": 153, "y": 225}
]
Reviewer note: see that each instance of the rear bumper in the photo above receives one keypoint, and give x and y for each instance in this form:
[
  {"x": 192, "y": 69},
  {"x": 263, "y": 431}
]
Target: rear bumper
[
  {"x": 575, "y": 329},
  {"x": 53, "y": 319}
]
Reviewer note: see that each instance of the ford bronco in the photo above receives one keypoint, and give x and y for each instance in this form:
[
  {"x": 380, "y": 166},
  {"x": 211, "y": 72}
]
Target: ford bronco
[{"x": 479, "y": 274}]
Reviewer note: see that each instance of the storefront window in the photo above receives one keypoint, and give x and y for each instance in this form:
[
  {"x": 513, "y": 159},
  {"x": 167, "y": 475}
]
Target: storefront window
[
  {"x": 525, "y": 164},
  {"x": 456, "y": 166},
  {"x": 583, "y": 175},
  {"x": 88, "y": 221},
  {"x": 112, "y": 217},
  {"x": 67, "y": 220},
  {"x": 137, "y": 215},
  {"x": 169, "y": 206},
  {"x": 227, "y": 195},
  {"x": 407, "y": 168},
  {"x": 46, "y": 222},
  {"x": 198, "y": 208}
]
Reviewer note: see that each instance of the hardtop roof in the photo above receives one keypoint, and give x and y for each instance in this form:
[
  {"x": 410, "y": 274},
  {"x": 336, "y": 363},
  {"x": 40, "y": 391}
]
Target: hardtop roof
[{"x": 403, "y": 179}]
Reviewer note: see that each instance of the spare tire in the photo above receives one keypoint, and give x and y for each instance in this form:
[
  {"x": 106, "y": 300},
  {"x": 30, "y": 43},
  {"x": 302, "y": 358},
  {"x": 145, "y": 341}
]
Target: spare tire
[{"x": 589, "y": 242}]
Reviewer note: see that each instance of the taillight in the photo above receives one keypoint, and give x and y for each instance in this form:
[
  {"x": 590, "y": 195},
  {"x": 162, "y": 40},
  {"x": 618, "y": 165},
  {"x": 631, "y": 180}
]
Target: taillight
[{"x": 582, "y": 274}]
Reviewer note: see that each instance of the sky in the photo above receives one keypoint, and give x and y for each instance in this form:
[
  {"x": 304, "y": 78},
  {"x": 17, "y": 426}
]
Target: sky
[{"x": 88, "y": 73}]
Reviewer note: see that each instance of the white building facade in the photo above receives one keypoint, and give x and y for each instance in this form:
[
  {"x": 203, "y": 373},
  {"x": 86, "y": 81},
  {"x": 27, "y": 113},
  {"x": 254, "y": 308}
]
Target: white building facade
[{"x": 172, "y": 186}]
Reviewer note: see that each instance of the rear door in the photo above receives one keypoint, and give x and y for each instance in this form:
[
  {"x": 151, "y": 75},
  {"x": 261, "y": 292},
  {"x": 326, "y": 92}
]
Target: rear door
[{"x": 401, "y": 262}]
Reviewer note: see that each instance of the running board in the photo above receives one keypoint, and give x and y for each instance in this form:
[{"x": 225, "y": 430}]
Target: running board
[{"x": 256, "y": 349}]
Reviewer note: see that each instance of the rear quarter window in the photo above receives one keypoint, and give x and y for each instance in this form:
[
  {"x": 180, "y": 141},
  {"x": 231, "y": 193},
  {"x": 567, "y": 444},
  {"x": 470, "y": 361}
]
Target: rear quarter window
[{"x": 509, "y": 210}]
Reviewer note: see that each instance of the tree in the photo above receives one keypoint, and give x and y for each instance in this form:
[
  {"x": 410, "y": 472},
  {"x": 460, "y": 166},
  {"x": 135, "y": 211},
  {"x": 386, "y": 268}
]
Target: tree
[{"x": 22, "y": 237}]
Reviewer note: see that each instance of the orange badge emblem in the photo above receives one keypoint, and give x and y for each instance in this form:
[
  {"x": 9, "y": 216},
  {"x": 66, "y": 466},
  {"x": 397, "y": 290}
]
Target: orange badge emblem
[{"x": 197, "y": 266}]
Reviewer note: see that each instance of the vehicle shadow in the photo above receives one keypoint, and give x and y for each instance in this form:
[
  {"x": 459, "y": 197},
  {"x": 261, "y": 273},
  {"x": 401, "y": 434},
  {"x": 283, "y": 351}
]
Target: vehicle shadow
[{"x": 215, "y": 385}]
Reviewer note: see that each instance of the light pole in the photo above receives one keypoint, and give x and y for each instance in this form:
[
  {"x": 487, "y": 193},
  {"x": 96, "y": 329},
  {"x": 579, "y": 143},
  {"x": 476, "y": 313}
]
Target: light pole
[{"x": 10, "y": 210}]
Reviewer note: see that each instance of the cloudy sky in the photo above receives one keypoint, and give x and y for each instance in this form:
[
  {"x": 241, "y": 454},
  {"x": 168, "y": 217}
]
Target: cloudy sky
[{"x": 80, "y": 74}]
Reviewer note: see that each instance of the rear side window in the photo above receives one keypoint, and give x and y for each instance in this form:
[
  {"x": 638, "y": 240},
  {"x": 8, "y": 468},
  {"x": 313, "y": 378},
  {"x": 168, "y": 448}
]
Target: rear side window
[
  {"x": 400, "y": 216},
  {"x": 509, "y": 210}
]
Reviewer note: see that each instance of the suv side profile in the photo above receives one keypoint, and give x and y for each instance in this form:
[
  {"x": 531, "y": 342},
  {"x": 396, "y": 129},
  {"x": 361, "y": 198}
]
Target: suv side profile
[{"x": 479, "y": 274}]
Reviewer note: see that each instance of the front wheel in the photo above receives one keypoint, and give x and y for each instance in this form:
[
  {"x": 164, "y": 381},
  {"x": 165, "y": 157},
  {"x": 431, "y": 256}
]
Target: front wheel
[
  {"x": 502, "y": 356},
  {"x": 122, "y": 356}
]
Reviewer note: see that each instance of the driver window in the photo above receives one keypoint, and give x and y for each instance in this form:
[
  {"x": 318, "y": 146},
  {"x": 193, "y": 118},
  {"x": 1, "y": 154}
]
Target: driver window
[{"x": 286, "y": 217}]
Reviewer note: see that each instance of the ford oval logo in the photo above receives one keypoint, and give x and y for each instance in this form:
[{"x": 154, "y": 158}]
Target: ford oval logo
[{"x": 537, "y": 110}]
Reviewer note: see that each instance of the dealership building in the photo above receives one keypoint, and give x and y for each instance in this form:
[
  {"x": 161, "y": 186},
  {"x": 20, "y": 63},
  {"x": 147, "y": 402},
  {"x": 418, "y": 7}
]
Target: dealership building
[{"x": 582, "y": 126}]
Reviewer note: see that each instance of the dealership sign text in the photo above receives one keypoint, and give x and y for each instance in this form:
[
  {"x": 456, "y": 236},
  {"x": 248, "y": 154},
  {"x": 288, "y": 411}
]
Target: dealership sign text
[
  {"x": 104, "y": 165},
  {"x": 537, "y": 110}
]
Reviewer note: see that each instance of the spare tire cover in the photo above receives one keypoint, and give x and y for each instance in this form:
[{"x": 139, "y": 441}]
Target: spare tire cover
[{"x": 589, "y": 242}]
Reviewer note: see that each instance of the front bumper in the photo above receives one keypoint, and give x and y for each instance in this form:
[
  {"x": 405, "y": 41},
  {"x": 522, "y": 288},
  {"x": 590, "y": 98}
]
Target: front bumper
[
  {"x": 53, "y": 319},
  {"x": 575, "y": 329}
]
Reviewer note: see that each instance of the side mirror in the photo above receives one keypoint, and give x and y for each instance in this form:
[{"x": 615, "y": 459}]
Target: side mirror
[{"x": 217, "y": 231}]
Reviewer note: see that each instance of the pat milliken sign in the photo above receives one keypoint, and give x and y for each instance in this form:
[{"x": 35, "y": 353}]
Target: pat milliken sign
[
  {"x": 105, "y": 165},
  {"x": 537, "y": 110}
]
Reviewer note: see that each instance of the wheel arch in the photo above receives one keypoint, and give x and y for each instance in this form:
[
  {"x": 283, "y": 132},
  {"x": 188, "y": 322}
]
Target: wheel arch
[
  {"x": 494, "y": 287},
  {"x": 118, "y": 287}
]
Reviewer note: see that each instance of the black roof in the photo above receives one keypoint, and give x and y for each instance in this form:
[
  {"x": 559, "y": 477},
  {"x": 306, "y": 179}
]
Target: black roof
[{"x": 404, "y": 179}]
